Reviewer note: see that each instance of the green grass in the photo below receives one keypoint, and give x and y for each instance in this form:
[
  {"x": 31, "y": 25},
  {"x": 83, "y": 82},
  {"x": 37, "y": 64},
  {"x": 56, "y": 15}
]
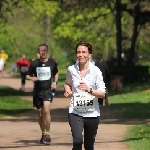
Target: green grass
[
  {"x": 11, "y": 104},
  {"x": 138, "y": 137},
  {"x": 134, "y": 105},
  {"x": 61, "y": 79},
  {"x": 131, "y": 105}
]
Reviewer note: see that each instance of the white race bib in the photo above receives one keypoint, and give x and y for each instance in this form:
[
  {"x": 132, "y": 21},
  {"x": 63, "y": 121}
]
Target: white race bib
[
  {"x": 83, "y": 102},
  {"x": 24, "y": 69},
  {"x": 43, "y": 73}
]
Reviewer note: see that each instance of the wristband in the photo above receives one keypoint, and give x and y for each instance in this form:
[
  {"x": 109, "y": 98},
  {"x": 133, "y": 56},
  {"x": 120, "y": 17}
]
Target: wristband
[{"x": 91, "y": 91}]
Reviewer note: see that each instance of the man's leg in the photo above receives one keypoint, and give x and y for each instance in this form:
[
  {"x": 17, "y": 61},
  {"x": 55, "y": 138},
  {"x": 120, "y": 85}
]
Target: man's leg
[
  {"x": 40, "y": 121},
  {"x": 2, "y": 73},
  {"x": 46, "y": 114},
  {"x": 40, "y": 118},
  {"x": 23, "y": 81},
  {"x": 38, "y": 103},
  {"x": 47, "y": 119}
]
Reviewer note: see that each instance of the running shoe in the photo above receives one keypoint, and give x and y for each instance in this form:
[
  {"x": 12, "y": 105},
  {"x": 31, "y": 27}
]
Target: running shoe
[
  {"x": 43, "y": 139},
  {"x": 47, "y": 138}
]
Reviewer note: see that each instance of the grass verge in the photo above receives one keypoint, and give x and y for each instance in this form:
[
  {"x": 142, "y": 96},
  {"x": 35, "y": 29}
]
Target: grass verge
[
  {"x": 11, "y": 104},
  {"x": 134, "y": 106},
  {"x": 131, "y": 105},
  {"x": 138, "y": 137}
]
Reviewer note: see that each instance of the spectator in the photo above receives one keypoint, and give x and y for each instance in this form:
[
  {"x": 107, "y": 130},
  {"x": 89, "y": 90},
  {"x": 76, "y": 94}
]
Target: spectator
[
  {"x": 53, "y": 58},
  {"x": 1, "y": 66},
  {"x": 4, "y": 56},
  {"x": 13, "y": 69},
  {"x": 22, "y": 66},
  {"x": 101, "y": 64}
]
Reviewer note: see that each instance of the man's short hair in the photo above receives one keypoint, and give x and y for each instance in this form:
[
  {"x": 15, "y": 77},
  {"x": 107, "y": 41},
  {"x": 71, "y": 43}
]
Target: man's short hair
[{"x": 43, "y": 44}]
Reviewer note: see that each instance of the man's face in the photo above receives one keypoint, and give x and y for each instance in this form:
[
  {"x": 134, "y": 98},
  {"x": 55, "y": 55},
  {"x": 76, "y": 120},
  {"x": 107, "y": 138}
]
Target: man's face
[
  {"x": 43, "y": 52},
  {"x": 23, "y": 56},
  {"x": 2, "y": 51}
]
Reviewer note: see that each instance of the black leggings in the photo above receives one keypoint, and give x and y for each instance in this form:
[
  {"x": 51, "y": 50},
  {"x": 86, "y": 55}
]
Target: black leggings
[
  {"x": 90, "y": 126},
  {"x": 23, "y": 78}
]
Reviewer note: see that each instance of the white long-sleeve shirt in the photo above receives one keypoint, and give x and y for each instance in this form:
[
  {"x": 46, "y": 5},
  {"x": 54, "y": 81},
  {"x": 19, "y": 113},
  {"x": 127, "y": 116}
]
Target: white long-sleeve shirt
[
  {"x": 1, "y": 64},
  {"x": 93, "y": 79}
]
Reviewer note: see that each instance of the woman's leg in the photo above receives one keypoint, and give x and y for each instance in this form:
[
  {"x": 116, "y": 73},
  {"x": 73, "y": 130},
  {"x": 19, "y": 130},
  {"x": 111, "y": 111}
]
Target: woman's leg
[
  {"x": 76, "y": 124},
  {"x": 90, "y": 131}
]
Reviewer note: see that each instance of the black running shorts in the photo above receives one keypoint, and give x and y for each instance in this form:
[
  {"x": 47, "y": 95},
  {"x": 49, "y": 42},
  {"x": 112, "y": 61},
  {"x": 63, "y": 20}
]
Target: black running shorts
[{"x": 38, "y": 100}]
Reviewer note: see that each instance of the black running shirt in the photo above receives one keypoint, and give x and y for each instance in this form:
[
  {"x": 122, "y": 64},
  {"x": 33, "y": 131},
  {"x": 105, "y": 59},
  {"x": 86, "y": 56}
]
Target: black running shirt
[{"x": 44, "y": 71}]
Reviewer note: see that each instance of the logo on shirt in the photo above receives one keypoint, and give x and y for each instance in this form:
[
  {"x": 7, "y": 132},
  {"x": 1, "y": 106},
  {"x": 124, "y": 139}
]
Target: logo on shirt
[{"x": 82, "y": 96}]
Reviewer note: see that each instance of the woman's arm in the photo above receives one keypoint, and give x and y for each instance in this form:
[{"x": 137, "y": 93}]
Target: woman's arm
[{"x": 68, "y": 84}]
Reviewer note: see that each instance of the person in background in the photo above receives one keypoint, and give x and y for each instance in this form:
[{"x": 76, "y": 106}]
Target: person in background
[
  {"x": 53, "y": 58},
  {"x": 1, "y": 66},
  {"x": 101, "y": 64},
  {"x": 84, "y": 83},
  {"x": 22, "y": 67},
  {"x": 13, "y": 69},
  {"x": 92, "y": 61},
  {"x": 37, "y": 56},
  {"x": 4, "y": 56},
  {"x": 44, "y": 73}
]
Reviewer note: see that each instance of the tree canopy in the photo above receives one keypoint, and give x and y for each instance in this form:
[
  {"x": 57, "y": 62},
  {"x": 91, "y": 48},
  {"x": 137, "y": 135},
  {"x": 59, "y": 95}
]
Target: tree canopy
[{"x": 112, "y": 27}]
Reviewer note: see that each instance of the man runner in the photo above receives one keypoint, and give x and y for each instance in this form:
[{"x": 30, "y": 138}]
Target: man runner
[{"x": 41, "y": 72}]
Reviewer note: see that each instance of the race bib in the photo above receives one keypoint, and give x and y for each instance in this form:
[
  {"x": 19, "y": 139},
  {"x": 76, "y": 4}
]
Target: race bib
[
  {"x": 24, "y": 69},
  {"x": 43, "y": 73},
  {"x": 83, "y": 102}
]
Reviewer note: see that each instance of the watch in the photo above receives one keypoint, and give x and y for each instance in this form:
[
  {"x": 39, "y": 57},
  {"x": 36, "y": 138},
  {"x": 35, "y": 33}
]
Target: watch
[{"x": 91, "y": 91}]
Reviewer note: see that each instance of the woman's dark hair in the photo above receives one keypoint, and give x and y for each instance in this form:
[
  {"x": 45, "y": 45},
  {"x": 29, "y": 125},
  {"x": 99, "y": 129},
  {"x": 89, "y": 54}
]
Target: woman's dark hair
[
  {"x": 43, "y": 45},
  {"x": 83, "y": 43}
]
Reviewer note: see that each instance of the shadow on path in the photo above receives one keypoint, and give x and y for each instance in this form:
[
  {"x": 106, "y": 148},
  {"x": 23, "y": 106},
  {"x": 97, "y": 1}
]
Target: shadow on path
[{"x": 59, "y": 109}]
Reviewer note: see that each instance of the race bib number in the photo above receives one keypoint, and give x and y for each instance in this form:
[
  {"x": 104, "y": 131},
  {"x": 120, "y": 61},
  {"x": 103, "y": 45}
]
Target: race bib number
[
  {"x": 24, "y": 69},
  {"x": 83, "y": 102},
  {"x": 43, "y": 73}
]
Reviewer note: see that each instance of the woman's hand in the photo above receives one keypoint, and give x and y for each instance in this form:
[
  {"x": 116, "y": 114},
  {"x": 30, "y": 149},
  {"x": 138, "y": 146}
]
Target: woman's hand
[
  {"x": 83, "y": 87},
  {"x": 68, "y": 91}
]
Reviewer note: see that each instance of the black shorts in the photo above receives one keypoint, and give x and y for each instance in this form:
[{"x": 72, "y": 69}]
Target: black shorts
[{"x": 38, "y": 100}]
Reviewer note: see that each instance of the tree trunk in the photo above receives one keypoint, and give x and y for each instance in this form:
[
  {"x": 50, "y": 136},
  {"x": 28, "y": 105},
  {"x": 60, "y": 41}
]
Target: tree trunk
[
  {"x": 118, "y": 32},
  {"x": 134, "y": 35},
  {"x": 47, "y": 31},
  {"x": 1, "y": 5}
]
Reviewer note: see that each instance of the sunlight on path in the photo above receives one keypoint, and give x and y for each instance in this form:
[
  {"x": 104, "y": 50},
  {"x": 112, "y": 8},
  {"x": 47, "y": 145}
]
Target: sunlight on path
[{"x": 23, "y": 132}]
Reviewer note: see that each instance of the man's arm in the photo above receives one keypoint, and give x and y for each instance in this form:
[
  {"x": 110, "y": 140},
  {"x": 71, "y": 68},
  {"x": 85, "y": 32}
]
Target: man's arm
[
  {"x": 56, "y": 77},
  {"x": 55, "y": 73},
  {"x": 32, "y": 78},
  {"x": 30, "y": 74}
]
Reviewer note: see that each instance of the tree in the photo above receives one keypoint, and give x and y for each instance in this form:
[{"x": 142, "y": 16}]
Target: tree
[
  {"x": 80, "y": 20},
  {"x": 74, "y": 11}
]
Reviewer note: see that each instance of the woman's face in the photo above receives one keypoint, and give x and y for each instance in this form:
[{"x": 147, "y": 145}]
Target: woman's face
[{"x": 83, "y": 54}]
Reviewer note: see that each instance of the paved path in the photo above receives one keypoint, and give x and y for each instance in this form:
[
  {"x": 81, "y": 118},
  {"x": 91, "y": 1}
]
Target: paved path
[{"x": 23, "y": 132}]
